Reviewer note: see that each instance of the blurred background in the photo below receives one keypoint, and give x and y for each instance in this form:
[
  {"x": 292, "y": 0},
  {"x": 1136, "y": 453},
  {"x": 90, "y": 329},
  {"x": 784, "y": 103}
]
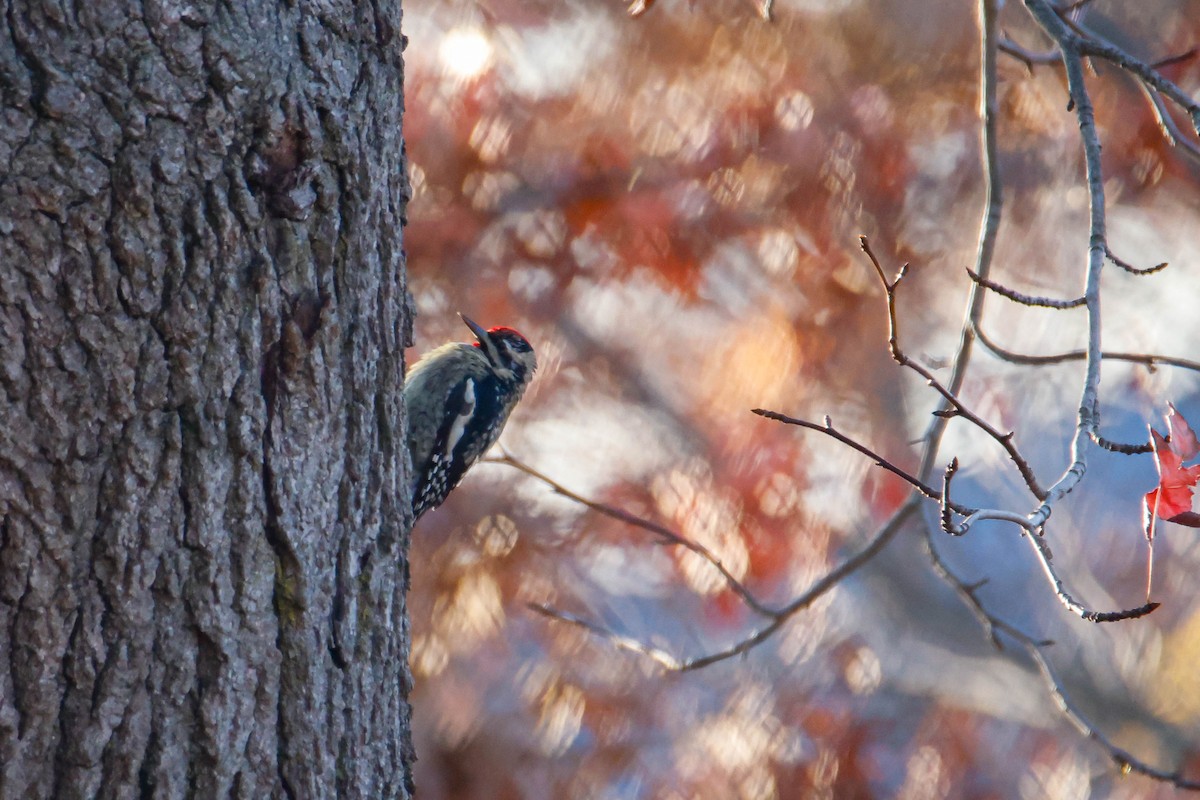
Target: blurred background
[{"x": 668, "y": 207}]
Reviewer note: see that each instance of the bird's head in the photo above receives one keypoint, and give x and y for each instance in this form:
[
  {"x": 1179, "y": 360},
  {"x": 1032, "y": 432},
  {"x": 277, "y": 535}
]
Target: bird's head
[{"x": 509, "y": 353}]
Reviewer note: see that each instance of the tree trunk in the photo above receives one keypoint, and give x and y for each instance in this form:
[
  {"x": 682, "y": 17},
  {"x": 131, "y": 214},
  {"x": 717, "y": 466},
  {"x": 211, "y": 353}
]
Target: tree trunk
[{"x": 202, "y": 478}]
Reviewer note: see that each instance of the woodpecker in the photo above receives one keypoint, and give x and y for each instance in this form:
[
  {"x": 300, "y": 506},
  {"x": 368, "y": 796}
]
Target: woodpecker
[{"x": 458, "y": 398}]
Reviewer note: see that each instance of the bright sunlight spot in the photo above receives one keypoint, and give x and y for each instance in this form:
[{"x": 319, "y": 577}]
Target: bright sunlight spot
[{"x": 465, "y": 53}]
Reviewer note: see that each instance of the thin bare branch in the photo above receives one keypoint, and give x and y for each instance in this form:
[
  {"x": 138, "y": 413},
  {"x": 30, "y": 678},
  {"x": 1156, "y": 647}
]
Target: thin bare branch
[
  {"x": 1072, "y": 36},
  {"x": 779, "y": 618},
  {"x": 969, "y": 593},
  {"x": 1026, "y": 56},
  {"x": 1125, "y": 760},
  {"x": 1127, "y": 449},
  {"x": 1178, "y": 58},
  {"x": 1024, "y": 299},
  {"x": 1152, "y": 83},
  {"x": 947, "y": 521},
  {"x": 1071, "y": 21},
  {"x": 998, "y": 515},
  {"x": 1036, "y": 649},
  {"x": 665, "y": 534},
  {"x": 1088, "y": 418},
  {"x": 888, "y": 286},
  {"x": 1170, "y": 128},
  {"x": 949, "y": 396},
  {"x": 1150, "y": 360},
  {"x": 830, "y": 580},
  {"x": 1091, "y": 45},
  {"x": 989, "y": 228},
  {"x": 1132, "y": 270},
  {"x": 828, "y": 429},
  {"x": 1042, "y": 551},
  {"x": 659, "y": 656}
]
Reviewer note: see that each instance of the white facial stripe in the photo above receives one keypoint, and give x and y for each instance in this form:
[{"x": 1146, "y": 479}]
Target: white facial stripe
[
  {"x": 460, "y": 422},
  {"x": 499, "y": 362},
  {"x": 493, "y": 354}
]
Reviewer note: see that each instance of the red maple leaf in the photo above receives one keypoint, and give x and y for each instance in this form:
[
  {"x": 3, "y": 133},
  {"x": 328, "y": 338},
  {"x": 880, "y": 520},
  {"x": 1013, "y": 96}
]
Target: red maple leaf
[{"x": 1172, "y": 499}]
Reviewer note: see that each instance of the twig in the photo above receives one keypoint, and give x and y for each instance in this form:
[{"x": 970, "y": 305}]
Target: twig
[
  {"x": 1088, "y": 417},
  {"x": 659, "y": 656},
  {"x": 1042, "y": 551},
  {"x": 666, "y": 534},
  {"x": 999, "y": 516},
  {"x": 1122, "y": 447},
  {"x": 1132, "y": 270},
  {"x": 1024, "y": 299},
  {"x": 1151, "y": 78},
  {"x": 831, "y": 579},
  {"x": 1179, "y": 58},
  {"x": 1168, "y": 126},
  {"x": 1150, "y": 360},
  {"x": 828, "y": 429},
  {"x": 1125, "y": 760},
  {"x": 989, "y": 229},
  {"x": 1071, "y": 21},
  {"x": 947, "y": 522},
  {"x": 949, "y": 395},
  {"x": 1026, "y": 56},
  {"x": 1152, "y": 83},
  {"x": 1074, "y": 38},
  {"x": 778, "y": 618},
  {"x": 1036, "y": 649},
  {"x": 969, "y": 592},
  {"x": 1087, "y": 427}
]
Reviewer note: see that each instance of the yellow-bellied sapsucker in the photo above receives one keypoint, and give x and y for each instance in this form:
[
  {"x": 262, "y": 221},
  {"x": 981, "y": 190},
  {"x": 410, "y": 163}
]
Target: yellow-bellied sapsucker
[{"x": 458, "y": 397}]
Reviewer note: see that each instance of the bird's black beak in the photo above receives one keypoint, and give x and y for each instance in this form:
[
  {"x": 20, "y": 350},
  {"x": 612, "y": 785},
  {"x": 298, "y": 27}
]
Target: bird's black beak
[{"x": 476, "y": 329}]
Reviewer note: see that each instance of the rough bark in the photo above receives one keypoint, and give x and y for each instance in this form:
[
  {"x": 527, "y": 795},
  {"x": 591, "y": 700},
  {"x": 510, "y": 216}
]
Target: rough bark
[{"x": 202, "y": 319}]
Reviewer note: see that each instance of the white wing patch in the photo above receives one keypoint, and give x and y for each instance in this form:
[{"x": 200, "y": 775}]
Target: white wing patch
[{"x": 460, "y": 422}]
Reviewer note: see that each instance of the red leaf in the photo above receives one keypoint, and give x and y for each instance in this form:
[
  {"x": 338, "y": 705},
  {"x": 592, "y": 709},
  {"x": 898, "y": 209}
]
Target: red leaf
[
  {"x": 1176, "y": 483},
  {"x": 1183, "y": 438},
  {"x": 1189, "y": 518},
  {"x": 1172, "y": 499}
]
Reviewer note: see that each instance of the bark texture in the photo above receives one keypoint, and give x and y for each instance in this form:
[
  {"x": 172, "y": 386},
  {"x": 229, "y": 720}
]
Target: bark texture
[{"x": 202, "y": 479}]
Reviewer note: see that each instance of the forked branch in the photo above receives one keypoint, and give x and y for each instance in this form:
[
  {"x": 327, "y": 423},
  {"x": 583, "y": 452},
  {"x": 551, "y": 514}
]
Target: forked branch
[{"x": 1005, "y": 440}]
